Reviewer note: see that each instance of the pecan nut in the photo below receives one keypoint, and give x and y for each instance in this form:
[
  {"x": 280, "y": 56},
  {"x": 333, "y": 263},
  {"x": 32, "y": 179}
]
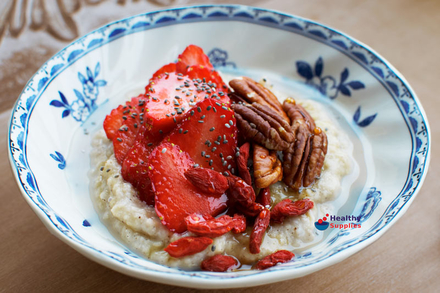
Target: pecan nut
[
  {"x": 251, "y": 91},
  {"x": 317, "y": 156},
  {"x": 303, "y": 160},
  {"x": 267, "y": 167},
  {"x": 293, "y": 156},
  {"x": 263, "y": 125},
  {"x": 298, "y": 115}
]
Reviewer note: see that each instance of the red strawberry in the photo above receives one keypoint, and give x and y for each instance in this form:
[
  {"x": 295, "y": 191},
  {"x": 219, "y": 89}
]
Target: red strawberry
[
  {"x": 192, "y": 55},
  {"x": 171, "y": 96},
  {"x": 208, "y": 133},
  {"x": 135, "y": 170},
  {"x": 176, "y": 198},
  {"x": 165, "y": 69},
  {"x": 135, "y": 164},
  {"x": 209, "y": 75},
  {"x": 122, "y": 125}
]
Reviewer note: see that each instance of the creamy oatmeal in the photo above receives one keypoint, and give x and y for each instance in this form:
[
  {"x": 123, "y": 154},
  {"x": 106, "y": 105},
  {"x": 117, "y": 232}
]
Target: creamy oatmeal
[{"x": 137, "y": 224}]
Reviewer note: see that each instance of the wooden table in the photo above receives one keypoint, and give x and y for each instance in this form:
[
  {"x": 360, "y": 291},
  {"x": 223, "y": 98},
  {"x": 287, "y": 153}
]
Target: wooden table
[{"x": 406, "y": 258}]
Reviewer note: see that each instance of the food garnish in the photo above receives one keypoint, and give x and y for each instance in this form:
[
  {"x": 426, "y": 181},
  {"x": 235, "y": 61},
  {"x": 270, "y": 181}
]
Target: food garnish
[{"x": 185, "y": 146}]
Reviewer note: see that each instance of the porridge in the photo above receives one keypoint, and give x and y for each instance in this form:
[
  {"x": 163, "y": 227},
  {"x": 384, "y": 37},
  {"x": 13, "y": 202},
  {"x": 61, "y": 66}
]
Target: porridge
[{"x": 245, "y": 230}]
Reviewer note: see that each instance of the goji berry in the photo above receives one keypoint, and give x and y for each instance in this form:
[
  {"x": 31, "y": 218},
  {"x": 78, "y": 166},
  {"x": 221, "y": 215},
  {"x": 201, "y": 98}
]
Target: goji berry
[
  {"x": 240, "y": 192},
  {"x": 281, "y": 256},
  {"x": 251, "y": 211},
  {"x": 219, "y": 263},
  {"x": 242, "y": 163},
  {"x": 287, "y": 208},
  {"x": 207, "y": 180},
  {"x": 264, "y": 197},
  {"x": 188, "y": 246},
  {"x": 260, "y": 226},
  {"x": 211, "y": 227}
]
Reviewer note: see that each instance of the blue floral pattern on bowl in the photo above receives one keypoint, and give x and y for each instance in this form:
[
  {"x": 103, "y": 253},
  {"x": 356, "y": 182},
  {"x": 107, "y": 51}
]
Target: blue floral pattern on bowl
[
  {"x": 327, "y": 84},
  {"x": 85, "y": 103}
]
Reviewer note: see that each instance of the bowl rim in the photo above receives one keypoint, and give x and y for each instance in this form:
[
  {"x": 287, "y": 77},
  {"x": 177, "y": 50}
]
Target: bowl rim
[{"x": 60, "y": 228}]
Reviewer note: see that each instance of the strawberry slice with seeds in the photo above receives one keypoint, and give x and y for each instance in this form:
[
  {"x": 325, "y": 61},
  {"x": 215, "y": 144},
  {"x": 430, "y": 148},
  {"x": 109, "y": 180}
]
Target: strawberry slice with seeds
[
  {"x": 123, "y": 124},
  {"x": 164, "y": 70},
  {"x": 192, "y": 55},
  {"x": 135, "y": 170},
  {"x": 198, "y": 72},
  {"x": 135, "y": 165},
  {"x": 208, "y": 133},
  {"x": 176, "y": 198},
  {"x": 171, "y": 96}
]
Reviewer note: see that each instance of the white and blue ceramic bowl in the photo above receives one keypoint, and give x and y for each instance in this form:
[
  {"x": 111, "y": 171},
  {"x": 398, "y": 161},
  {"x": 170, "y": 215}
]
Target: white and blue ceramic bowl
[{"x": 68, "y": 98}]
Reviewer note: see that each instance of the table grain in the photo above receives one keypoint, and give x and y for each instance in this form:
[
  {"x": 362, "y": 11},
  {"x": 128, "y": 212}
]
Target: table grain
[{"x": 405, "y": 259}]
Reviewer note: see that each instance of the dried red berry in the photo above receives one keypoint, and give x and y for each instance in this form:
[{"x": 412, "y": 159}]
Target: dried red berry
[
  {"x": 260, "y": 226},
  {"x": 288, "y": 208},
  {"x": 240, "y": 192},
  {"x": 219, "y": 263},
  {"x": 242, "y": 163},
  {"x": 250, "y": 211},
  {"x": 188, "y": 246},
  {"x": 281, "y": 256},
  {"x": 207, "y": 180},
  {"x": 210, "y": 227},
  {"x": 264, "y": 197}
]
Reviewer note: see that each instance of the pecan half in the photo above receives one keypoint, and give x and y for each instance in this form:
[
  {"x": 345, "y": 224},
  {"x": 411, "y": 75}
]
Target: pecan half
[
  {"x": 293, "y": 156},
  {"x": 298, "y": 115},
  {"x": 303, "y": 160},
  {"x": 252, "y": 91},
  {"x": 267, "y": 167},
  {"x": 317, "y": 156},
  {"x": 263, "y": 125}
]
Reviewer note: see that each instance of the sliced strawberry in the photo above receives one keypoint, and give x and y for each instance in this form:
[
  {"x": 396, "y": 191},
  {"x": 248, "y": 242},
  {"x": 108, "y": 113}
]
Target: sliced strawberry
[
  {"x": 210, "y": 75},
  {"x": 176, "y": 198},
  {"x": 192, "y": 55},
  {"x": 135, "y": 164},
  {"x": 165, "y": 70},
  {"x": 171, "y": 96},
  {"x": 123, "y": 124},
  {"x": 115, "y": 120},
  {"x": 135, "y": 170},
  {"x": 208, "y": 133}
]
